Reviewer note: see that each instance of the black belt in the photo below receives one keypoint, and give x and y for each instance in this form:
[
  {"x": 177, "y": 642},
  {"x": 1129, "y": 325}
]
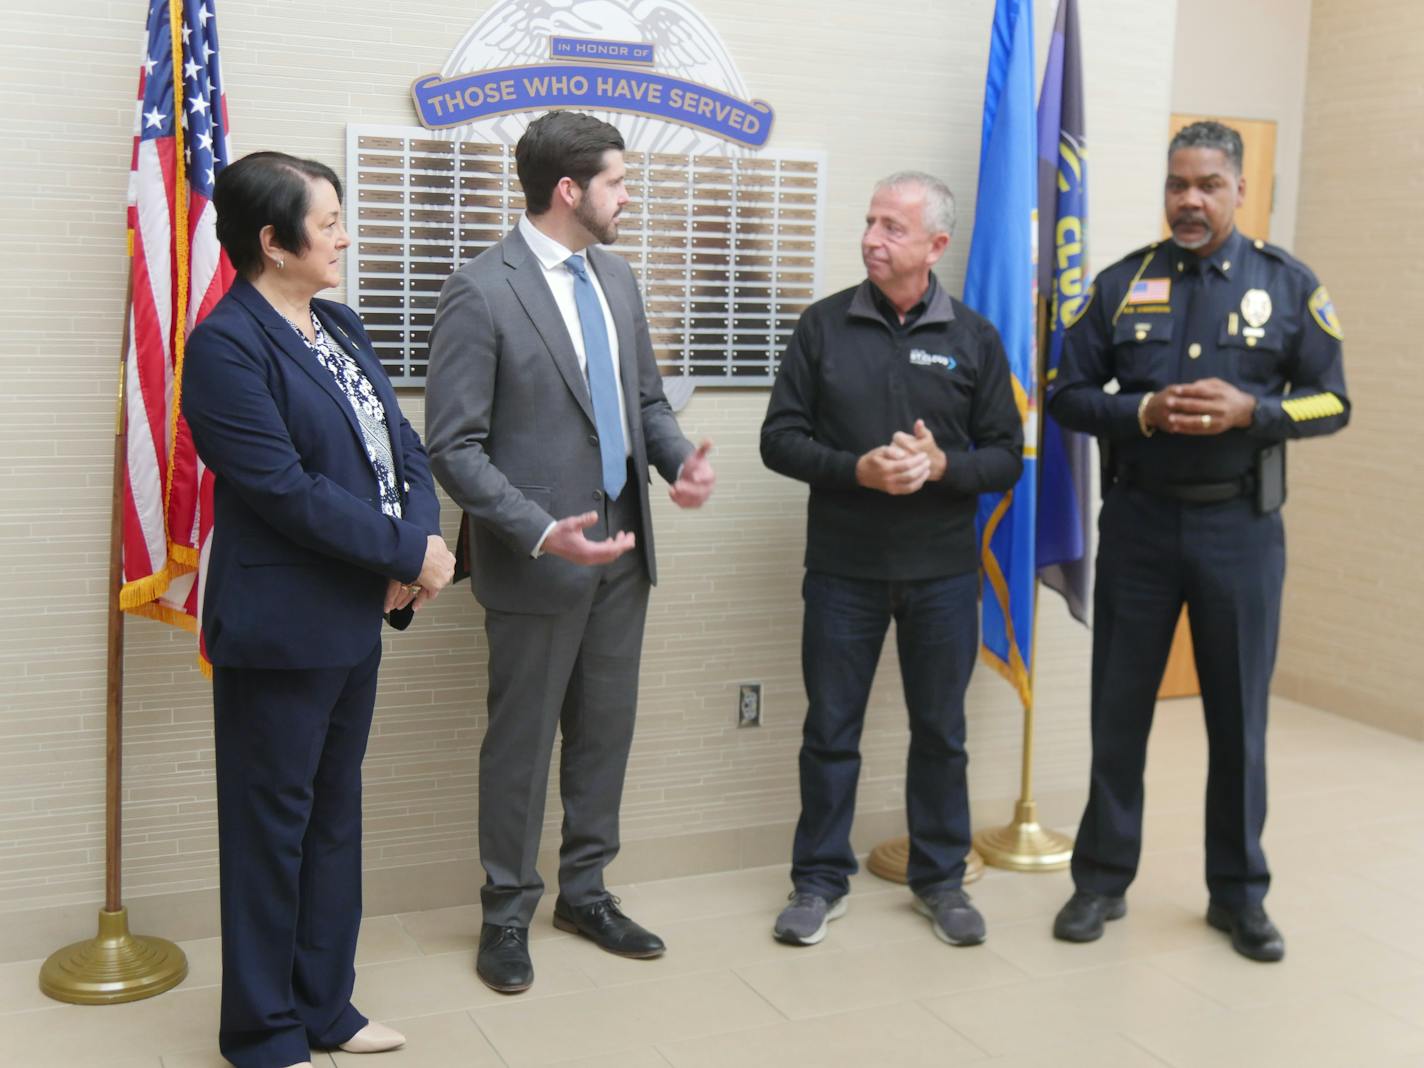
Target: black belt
[{"x": 1193, "y": 492}]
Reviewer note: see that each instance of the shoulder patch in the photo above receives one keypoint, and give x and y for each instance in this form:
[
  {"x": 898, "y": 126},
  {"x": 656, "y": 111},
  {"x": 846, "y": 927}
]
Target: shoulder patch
[
  {"x": 1072, "y": 310},
  {"x": 1322, "y": 310}
]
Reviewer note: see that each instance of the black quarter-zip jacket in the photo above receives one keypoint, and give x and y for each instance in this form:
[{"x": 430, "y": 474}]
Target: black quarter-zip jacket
[{"x": 850, "y": 378}]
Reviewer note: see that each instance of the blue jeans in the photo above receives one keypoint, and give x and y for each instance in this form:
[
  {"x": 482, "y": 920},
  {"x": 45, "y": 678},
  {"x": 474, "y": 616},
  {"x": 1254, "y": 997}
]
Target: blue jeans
[{"x": 937, "y": 635}]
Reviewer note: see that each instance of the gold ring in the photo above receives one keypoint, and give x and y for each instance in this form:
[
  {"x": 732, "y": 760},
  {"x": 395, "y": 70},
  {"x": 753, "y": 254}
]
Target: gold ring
[
  {"x": 1206, "y": 422},
  {"x": 413, "y": 588}
]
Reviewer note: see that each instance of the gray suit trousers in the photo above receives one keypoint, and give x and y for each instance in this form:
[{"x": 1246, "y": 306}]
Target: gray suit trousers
[{"x": 577, "y": 671}]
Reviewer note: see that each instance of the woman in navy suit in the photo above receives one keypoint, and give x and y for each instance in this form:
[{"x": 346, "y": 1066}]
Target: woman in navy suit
[{"x": 325, "y": 519}]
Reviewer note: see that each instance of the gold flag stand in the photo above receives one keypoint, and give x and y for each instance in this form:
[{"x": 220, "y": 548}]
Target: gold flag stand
[
  {"x": 1023, "y": 845},
  {"x": 891, "y": 858},
  {"x": 114, "y": 966}
]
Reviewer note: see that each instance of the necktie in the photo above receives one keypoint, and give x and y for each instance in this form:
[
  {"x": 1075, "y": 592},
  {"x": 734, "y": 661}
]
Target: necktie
[{"x": 602, "y": 384}]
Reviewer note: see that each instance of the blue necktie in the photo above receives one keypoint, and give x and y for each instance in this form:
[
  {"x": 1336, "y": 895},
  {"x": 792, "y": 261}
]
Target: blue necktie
[{"x": 602, "y": 384}]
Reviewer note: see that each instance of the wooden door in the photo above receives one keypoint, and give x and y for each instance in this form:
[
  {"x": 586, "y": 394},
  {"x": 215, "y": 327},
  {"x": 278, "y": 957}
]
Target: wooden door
[{"x": 1253, "y": 218}]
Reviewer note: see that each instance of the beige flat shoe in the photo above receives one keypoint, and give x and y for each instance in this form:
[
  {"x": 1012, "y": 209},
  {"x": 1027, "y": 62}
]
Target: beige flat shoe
[{"x": 374, "y": 1038}]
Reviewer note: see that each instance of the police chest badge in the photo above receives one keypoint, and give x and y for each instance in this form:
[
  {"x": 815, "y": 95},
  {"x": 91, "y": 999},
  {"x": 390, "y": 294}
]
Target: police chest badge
[{"x": 1256, "y": 307}]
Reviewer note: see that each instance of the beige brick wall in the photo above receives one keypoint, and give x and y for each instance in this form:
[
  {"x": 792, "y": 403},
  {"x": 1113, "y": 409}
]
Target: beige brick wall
[
  {"x": 879, "y": 86},
  {"x": 1350, "y": 641}
]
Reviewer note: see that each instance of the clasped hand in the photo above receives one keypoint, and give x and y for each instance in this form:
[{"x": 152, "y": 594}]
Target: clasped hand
[
  {"x": 904, "y": 465},
  {"x": 436, "y": 572},
  {"x": 1205, "y": 407}
]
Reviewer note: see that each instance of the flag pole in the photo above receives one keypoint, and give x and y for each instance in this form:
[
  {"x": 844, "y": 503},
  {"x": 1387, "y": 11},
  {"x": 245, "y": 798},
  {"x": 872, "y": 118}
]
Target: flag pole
[
  {"x": 1024, "y": 844},
  {"x": 114, "y": 966}
]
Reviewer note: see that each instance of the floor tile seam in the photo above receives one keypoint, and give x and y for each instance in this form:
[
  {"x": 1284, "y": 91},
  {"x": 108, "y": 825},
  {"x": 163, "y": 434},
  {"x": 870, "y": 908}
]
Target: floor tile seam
[
  {"x": 406, "y": 937},
  {"x": 1384, "y": 883},
  {"x": 710, "y": 969},
  {"x": 470, "y": 1015},
  {"x": 1151, "y": 1053},
  {"x": 920, "y": 1004},
  {"x": 994, "y": 984},
  {"x": 1357, "y": 929},
  {"x": 786, "y": 1017},
  {"x": 7, "y": 1013},
  {"x": 1415, "y": 1025},
  {"x": 1154, "y": 962}
]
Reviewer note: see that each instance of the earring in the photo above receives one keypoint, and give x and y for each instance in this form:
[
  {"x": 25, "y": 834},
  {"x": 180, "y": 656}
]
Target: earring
[{"x": 281, "y": 263}]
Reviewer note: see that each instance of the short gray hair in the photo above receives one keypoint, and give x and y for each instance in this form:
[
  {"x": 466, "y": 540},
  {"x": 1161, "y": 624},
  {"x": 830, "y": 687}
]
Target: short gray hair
[
  {"x": 1210, "y": 134},
  {"x": 939, "y": 201}
]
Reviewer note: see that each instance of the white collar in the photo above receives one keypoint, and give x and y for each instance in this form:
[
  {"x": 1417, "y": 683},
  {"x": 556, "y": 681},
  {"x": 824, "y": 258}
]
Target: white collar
[{"x": 547, "y": 251}]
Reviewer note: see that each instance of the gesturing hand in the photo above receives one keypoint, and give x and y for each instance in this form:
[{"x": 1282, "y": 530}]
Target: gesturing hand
[
  {"x": 695, "y": 480},
  {"x": 923, "y": 441},
  {"x": 893, "y": 469},
  {"x": 567, "y": 539}
]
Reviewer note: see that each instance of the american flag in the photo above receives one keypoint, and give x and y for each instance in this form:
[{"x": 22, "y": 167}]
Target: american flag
[
  {"x": 1150, "y": 291},
  {"x": 179, "y": 274}
]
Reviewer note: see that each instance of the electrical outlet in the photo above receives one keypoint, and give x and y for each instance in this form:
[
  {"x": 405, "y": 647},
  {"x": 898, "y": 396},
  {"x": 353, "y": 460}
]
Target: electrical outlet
[{"x": 749, "y": 705}]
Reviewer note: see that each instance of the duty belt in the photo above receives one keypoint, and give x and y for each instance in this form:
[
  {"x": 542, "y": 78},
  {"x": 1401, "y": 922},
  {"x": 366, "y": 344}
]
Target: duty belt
[{"x": 1193, "y": 492}]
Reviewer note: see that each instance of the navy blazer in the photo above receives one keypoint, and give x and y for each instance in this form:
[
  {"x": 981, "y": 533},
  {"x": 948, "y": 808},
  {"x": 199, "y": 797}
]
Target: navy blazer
[{"x": 300, "y": 552}]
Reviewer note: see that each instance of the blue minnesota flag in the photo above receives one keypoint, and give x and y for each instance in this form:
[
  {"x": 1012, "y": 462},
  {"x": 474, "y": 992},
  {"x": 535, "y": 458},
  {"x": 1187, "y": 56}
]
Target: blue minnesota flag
[
  {"x": 1065, "y": 458},
  {"x": 1002, "y": 285}
]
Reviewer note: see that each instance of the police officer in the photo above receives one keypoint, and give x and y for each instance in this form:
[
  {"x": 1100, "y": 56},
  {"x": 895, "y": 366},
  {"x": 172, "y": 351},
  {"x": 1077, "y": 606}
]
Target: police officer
[{"x": 1222, "y": 348}]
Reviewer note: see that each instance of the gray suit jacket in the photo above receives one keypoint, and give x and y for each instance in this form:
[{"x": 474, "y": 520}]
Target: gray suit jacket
[{"x": 509, "y": 420}]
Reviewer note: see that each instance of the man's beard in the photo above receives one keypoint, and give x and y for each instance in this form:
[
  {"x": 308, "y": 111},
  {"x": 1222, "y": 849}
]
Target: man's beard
[
  {"x": 605, "y": 231},
  {"x": 1207, "y": 232}
]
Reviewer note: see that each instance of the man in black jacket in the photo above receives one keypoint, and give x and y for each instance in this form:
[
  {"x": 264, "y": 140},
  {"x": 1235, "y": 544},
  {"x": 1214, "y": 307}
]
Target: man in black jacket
[{"x": 894, "y": 402}]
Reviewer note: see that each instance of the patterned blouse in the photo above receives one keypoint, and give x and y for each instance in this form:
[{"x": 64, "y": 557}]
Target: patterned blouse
[{"x": 370, "y": 412}]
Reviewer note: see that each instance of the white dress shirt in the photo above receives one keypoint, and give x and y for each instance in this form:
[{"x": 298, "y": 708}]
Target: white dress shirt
[{"x": 551, "y": 256}]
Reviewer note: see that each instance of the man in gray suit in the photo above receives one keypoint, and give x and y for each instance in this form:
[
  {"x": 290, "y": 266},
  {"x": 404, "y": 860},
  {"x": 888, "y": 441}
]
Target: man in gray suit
[{"x": 544, "y": 411}]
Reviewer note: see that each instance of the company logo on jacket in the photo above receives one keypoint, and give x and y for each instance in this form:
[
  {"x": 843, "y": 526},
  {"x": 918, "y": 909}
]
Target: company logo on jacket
[{"x": 921, "y": 358}]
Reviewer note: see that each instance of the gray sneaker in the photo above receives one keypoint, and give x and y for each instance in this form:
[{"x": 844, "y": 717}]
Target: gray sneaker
[
  {"x": 803, "y": 922},
  {"x": 954, "y": 918}
]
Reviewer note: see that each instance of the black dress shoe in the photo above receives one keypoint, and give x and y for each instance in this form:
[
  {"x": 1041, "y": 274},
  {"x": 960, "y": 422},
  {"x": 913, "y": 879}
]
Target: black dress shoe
[
  {"x": 1252, "y": 932},
  {"x": 1082, "y": 919},
  {"x": 603, "y": 923},
  {"x": 503, "y": 960}
]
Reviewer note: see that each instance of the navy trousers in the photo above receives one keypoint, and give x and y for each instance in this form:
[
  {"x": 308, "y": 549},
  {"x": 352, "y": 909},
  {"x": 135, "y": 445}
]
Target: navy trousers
[
  {"x": 1228, "y": 565},
  {"x": 937, "y": 636},
  {"x": 289, "y": 746}
]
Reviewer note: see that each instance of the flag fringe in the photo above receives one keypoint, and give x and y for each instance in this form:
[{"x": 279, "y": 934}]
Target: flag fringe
[
  {"x": 134, "y": 595},
  {"x": 185, "y": 556},
  {"x": 1014, "y": 669},
  {"x": 1016, "y": 675},
  {"x": 165, "y": 614}
]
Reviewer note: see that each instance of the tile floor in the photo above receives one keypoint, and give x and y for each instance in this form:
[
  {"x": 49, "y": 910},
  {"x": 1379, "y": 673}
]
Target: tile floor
[{"x": 1346, "y": 841}]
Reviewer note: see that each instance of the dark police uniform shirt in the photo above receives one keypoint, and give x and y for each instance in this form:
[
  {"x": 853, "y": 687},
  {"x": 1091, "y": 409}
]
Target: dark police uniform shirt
[
  {"x": 1250, "y": 314},
  {"x": 852, "y": 376}
]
